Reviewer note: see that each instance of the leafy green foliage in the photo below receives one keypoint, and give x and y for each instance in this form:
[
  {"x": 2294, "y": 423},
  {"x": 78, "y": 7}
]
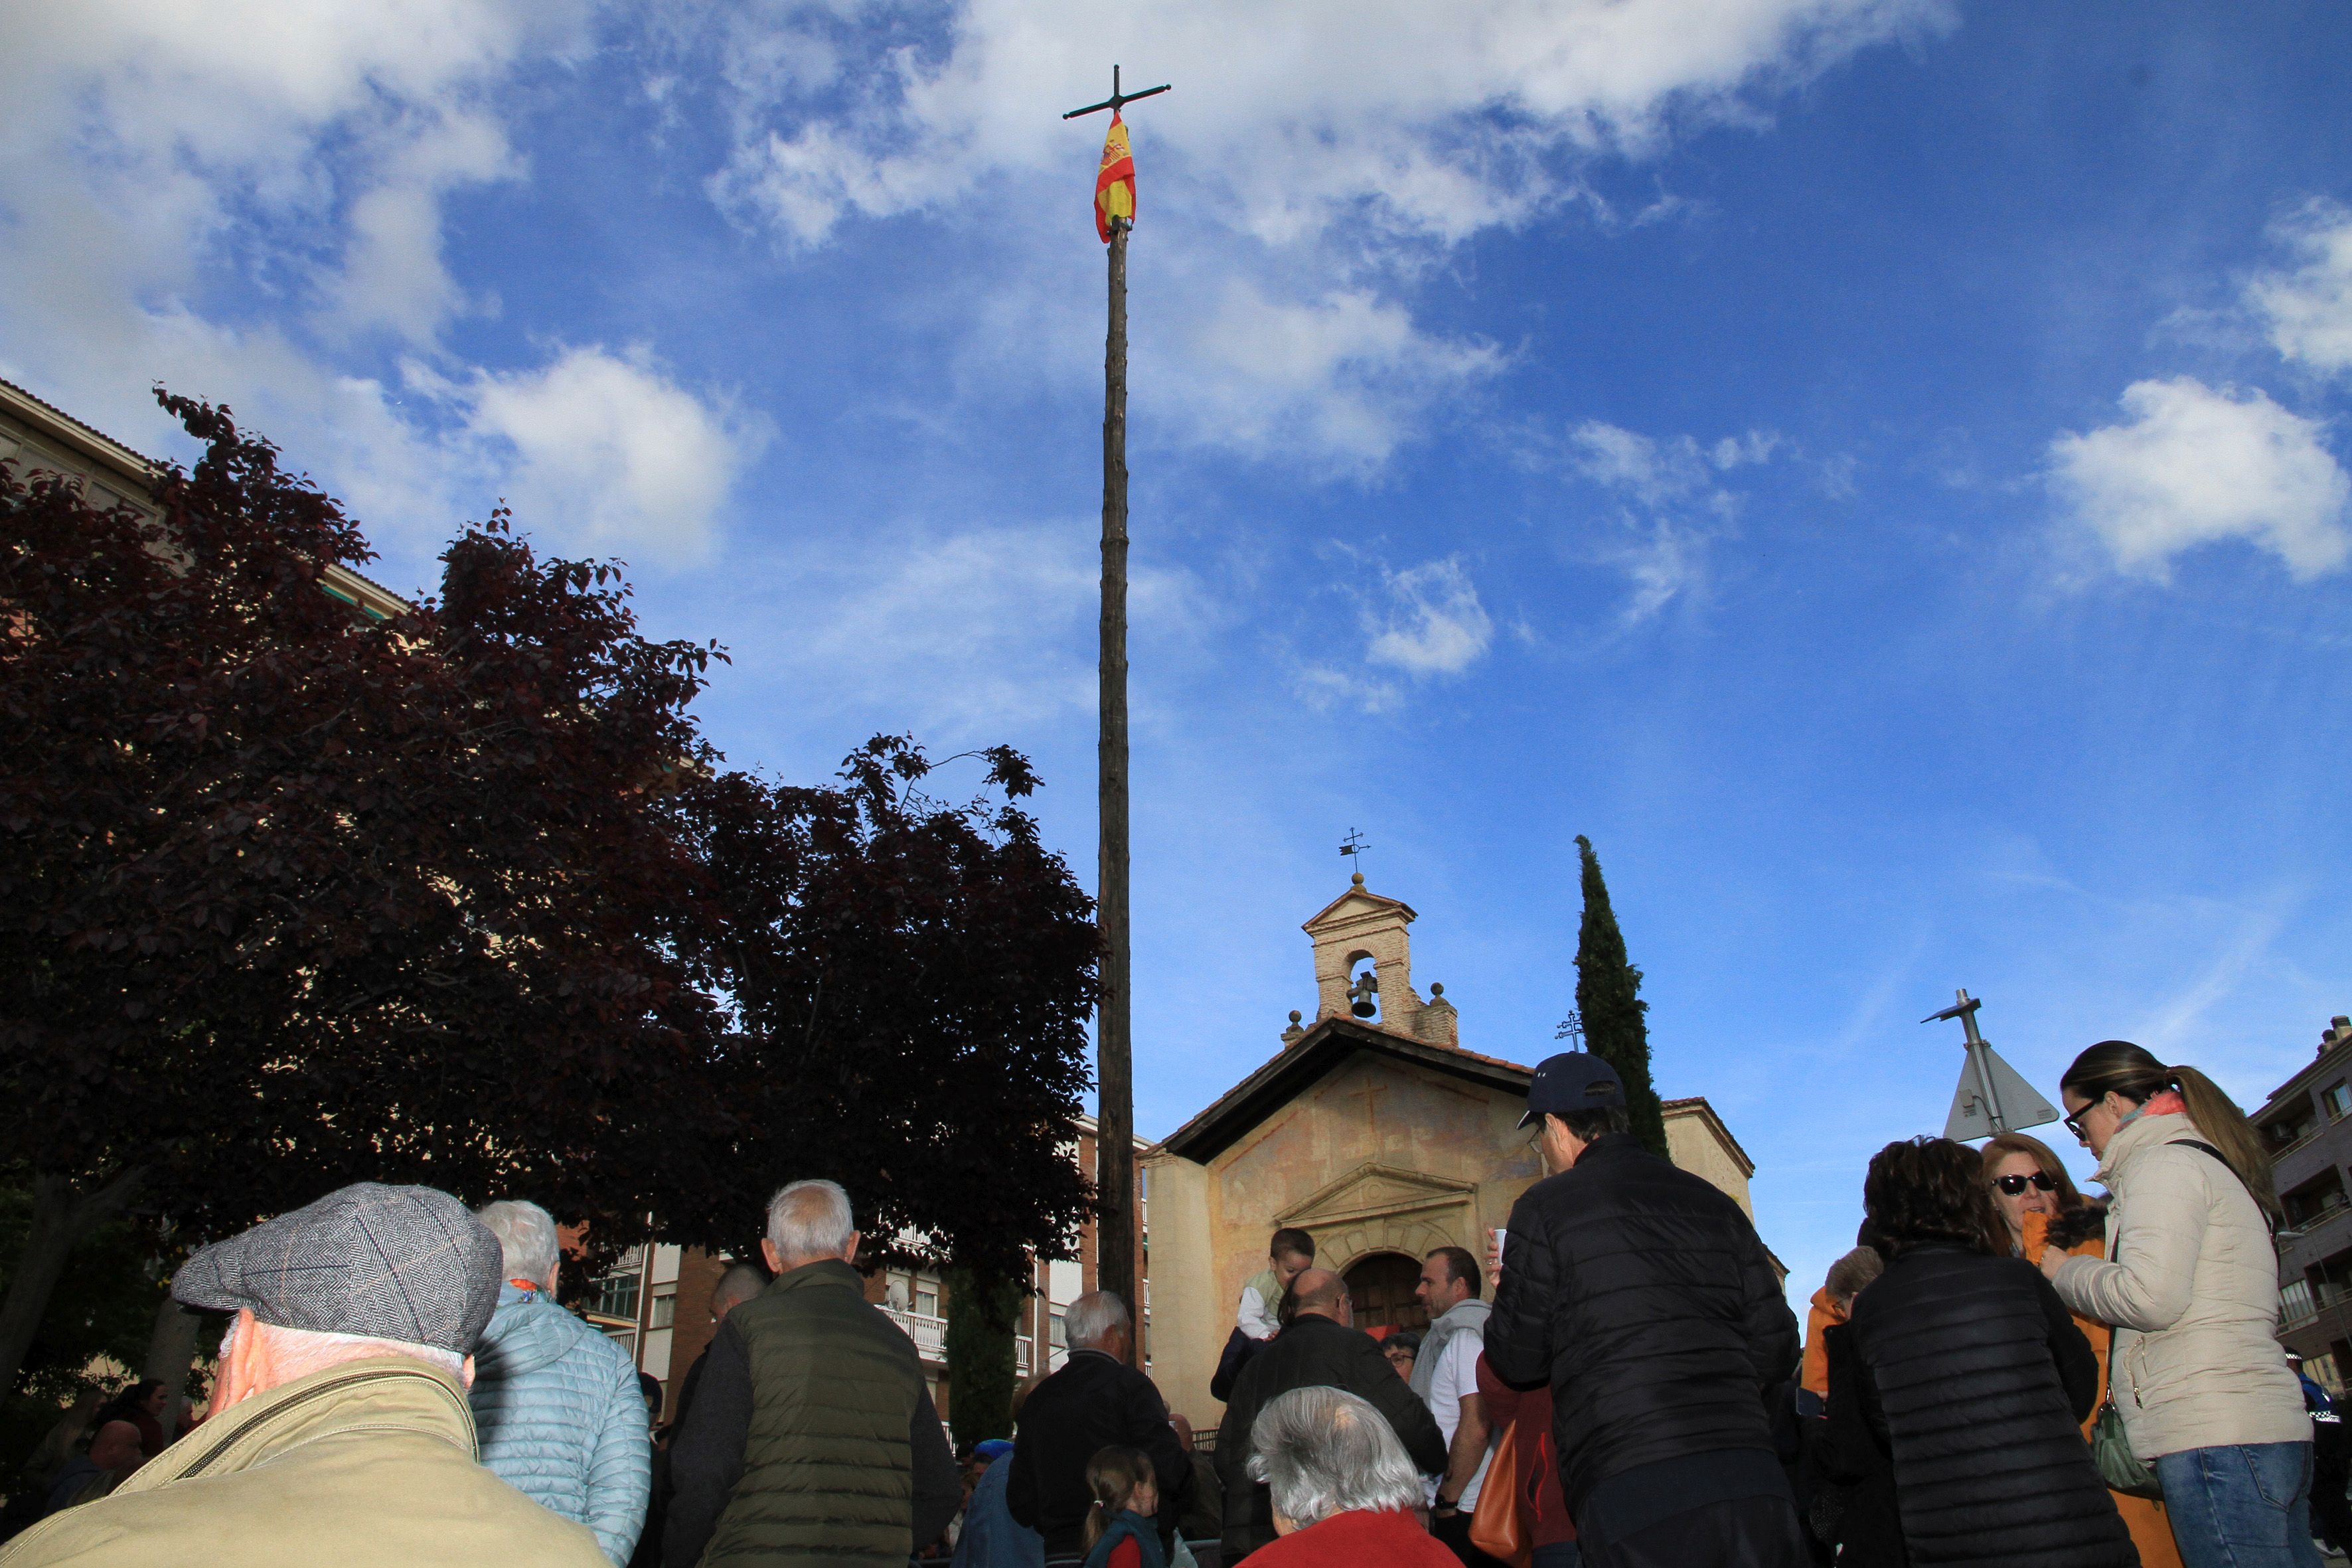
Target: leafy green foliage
[
  {"x": 911, "y": 982},
  {"x": 1608, "y": 1006},
  {"x": 94, "y": 1334},
  {"x": 981, "y": 1360},
  {"x": 290, "y": 899}
]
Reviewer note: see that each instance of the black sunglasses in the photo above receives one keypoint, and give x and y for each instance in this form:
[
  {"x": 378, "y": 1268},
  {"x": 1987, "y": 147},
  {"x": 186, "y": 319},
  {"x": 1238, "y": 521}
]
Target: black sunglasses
[
  {"x": 2074, "y": 1124},
  {"x": 2013, "y": 1185}
]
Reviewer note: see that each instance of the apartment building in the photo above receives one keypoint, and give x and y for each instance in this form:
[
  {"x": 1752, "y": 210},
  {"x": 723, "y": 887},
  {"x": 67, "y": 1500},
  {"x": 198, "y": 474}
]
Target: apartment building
[{"x": 2307, "y": 1121}]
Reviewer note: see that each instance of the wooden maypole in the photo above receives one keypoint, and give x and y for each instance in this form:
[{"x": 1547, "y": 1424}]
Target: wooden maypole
[{"x": 1115, "y": 1230}]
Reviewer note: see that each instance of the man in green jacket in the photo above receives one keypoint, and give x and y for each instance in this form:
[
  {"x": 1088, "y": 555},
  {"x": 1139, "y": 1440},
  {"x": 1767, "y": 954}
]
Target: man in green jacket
[
  {"x": 811, "y": 1437},
  {"x": 338, "y": 1431}
]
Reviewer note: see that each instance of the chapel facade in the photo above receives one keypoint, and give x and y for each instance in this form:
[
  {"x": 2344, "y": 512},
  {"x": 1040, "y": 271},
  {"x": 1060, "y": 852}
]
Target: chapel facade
[{"x": 1381, "y": 1136}]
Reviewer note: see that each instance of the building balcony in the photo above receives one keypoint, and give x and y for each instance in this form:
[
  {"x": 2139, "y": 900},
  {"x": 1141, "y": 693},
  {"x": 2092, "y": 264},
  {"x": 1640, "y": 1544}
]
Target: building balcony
[
  {"x": 2317, "y": 1237},
  {"x": 930, "y": 1337},
  {"x": 929, "y": 1333}
]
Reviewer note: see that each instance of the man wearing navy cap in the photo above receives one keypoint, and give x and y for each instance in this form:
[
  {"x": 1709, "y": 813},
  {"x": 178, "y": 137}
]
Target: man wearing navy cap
[{"x": 1641, "y": 1294}]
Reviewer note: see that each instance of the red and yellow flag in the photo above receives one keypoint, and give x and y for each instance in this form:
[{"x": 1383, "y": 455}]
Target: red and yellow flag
[{"x": 1115, "y": 186}]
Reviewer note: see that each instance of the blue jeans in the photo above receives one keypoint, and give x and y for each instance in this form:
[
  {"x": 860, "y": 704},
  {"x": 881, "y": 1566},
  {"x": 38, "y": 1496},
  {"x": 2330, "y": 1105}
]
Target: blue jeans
[
  {"x": 1559, "y": 1555},
  {"x": 2245, "y": 1507}
]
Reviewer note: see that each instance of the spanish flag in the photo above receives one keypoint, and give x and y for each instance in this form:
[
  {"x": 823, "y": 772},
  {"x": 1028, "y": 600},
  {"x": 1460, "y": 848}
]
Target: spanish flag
[{"x": 1115, "y": 186}]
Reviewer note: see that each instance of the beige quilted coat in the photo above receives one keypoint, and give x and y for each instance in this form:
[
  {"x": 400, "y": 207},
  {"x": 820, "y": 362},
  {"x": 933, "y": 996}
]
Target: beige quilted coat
[{"x": 2190, "y": 1282}]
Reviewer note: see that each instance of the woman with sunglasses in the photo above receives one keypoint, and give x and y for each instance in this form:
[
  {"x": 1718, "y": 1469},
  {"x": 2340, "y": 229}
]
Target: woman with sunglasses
[
  {"x": 1959, "y": 1385},
  {"x": 2191, "y": 1281},
  {"x": 2043, "y": 1212}
]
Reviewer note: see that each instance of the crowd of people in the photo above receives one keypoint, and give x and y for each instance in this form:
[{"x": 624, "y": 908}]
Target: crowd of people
[{"x": 2002, "y": 1372}]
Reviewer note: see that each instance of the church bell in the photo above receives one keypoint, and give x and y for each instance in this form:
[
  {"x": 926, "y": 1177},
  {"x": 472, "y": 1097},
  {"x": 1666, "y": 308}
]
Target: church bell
[{"x": 1365, "y": 993}]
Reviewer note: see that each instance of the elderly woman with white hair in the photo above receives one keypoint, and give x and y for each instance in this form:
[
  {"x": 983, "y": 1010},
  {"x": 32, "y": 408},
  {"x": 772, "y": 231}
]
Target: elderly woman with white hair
[{"x": 1345, "y": 1491}]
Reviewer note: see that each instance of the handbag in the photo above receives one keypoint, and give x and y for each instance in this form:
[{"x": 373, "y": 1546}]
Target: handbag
[
  {"x": 1502, "y": 1525},
  {"x": 2123, "y": 1470}
]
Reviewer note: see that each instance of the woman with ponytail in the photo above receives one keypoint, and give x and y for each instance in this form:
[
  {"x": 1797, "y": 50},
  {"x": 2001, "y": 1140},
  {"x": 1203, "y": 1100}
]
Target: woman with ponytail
[
  {"x": 2190, "y": 1279},
  {"x": 1119, "y": 1532}
]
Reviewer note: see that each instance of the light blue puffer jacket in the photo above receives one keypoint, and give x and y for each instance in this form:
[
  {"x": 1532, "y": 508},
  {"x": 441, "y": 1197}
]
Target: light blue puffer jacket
[{"x": 560, "y": 1418}]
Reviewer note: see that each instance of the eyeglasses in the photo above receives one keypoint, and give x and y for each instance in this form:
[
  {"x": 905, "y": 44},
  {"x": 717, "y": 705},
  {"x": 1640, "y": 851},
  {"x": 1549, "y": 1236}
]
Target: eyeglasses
[
  {"x": 2074, "y": 1124},
  {"x": 2012, "y": 1186}
]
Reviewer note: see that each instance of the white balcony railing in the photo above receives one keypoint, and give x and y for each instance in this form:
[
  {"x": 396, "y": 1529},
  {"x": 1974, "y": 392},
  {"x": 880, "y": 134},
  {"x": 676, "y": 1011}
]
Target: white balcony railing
[
  {"x": 930, "y": 1337},
  {"x": 929, "y": 1333}
]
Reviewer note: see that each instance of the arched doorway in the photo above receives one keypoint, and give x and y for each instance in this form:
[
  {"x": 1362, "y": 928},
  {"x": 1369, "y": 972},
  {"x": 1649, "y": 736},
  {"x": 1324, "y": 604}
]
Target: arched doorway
[{"x": 1380, "y": 1285}]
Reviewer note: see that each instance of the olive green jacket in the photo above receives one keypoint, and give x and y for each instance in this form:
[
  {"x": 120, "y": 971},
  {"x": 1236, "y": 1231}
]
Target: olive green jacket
[
  {"x": 812, "y": 1438},
  {"x": 366, "y": 1465}
]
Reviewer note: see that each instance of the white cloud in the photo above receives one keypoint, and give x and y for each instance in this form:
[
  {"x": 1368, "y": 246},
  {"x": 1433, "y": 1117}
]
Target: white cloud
[
  {"x": 601, "y": 451},
  {"x": 1441, "y": 120},
  {"x": 181, "y": 157},
  {"x": 965, "y": 634},
  {"x": 1296, "y": 188},
  {"x": 2309, "y": 309},
  {"x": 2196, "y": 465},
  {"x": 1344, "y": 374},
  {"x": 1430, "y": 621},
  {"x": 1676, "y": 506}
]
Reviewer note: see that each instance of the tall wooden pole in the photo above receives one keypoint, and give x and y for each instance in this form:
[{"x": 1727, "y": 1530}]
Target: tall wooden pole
[{"x": 1115, "y": 1260}]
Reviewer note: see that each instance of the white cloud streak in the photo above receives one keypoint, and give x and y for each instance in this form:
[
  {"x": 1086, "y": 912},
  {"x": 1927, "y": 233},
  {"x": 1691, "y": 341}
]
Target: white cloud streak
[
  {"x": 1674, "y": 504},
  {"x": 1430, "y": 621},
  {"x": 2308, "y": 310},
  {"x": 2194, "y": 466}
]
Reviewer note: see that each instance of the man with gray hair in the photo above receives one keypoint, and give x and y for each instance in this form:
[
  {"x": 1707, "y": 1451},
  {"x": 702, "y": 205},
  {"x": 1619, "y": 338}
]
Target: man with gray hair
[
  {"x": 1320, "y": 1348},
  {"x": 1096, "y": 1401},
  {"x": 811, "y": 1434},
  {"x": 1343, "y": 1488},
  {"x": 555, "y": 1401},
  {"x": 338, "y": 1430}
]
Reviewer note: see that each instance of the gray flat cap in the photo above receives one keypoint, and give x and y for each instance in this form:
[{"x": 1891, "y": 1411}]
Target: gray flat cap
[{"x": 390, "y": 1263}]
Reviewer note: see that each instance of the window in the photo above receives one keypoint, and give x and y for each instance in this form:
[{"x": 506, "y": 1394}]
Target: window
[
  {"x": 2313, "y": 1201},
  {"x": 2338, "y": 1100},
  {"x": 1060, "y": 1332},
  {"x": 2296, "y": 1305},
  {"x": 664, "y": 1308},
  {"x": 616, "y": 1296},
  {"x": 927, "y": 1298}
]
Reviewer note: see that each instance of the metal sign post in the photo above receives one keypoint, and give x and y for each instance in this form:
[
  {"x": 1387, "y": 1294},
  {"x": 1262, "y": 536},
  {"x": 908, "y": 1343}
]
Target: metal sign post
[{"x": 1992, "y": 1096}]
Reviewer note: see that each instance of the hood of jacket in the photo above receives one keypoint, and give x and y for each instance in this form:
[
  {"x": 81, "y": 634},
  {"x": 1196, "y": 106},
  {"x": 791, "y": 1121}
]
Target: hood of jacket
[
  {"x": 2143, "y": 1133},
  {"x": 527, "y": 1332}
]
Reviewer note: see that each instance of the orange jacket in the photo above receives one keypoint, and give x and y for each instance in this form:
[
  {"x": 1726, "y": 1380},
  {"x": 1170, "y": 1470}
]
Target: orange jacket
[{"x": 1824, "y": 1314}]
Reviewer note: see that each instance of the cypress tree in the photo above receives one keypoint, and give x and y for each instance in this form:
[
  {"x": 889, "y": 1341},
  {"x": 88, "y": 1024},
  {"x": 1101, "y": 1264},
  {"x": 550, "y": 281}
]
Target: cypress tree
[
  {"x": 980, "y": 1355},
  {"x": 1609, "y": 1003}
]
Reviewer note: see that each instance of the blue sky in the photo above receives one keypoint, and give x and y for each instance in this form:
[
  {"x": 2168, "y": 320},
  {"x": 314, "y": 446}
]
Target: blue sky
[{"x": 1877, "y": 467}]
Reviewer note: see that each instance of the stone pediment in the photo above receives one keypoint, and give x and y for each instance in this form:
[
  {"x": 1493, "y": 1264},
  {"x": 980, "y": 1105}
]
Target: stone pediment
[
  {"x": 1357, "y": 907},
  {"x": 1373, "y": 1190}
]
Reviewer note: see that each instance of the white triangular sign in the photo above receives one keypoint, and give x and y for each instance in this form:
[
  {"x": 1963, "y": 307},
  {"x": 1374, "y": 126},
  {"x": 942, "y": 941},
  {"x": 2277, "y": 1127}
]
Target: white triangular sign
[{"x": 2021, "y": 1106}]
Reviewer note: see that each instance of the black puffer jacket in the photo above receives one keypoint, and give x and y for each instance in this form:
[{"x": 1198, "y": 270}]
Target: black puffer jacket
[
  {"x": 1095, "y": 1401},
  {"x": 1313, "y": 1353},
  {"x": 1641, "y": 1294},
  {"x": 1975, "y": 1380}
]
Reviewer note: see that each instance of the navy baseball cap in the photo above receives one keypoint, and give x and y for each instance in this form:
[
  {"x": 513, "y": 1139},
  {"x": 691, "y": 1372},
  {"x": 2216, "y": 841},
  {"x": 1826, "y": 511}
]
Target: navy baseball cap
[{"x": 1573, "y": 1081}]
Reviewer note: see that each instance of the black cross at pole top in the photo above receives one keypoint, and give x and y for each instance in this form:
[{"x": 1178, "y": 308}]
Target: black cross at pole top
[{"x": 1116, "y": 97}]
